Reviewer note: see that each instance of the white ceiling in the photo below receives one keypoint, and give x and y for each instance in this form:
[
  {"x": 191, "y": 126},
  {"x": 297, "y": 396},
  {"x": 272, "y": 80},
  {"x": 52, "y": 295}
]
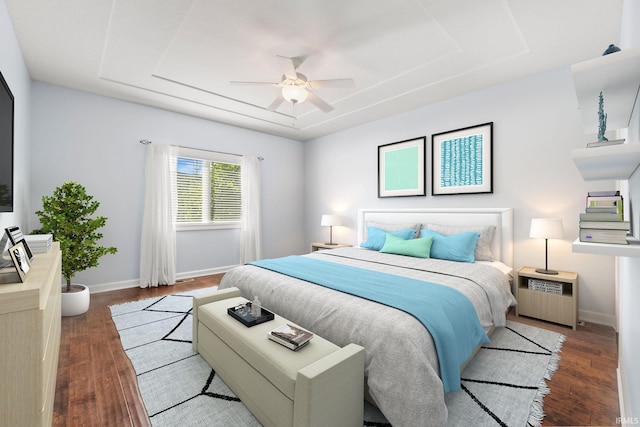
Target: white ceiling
[{"x": 181, "y": 55}]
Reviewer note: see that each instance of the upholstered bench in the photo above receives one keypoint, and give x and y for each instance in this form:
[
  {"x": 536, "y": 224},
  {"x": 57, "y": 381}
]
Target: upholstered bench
[{"x": 319, "y": 385}]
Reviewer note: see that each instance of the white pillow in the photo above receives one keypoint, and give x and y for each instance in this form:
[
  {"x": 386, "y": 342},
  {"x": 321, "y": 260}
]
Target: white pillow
[
  {"x": 508, "y": 271},
  {"x": 483, "y": 247}
]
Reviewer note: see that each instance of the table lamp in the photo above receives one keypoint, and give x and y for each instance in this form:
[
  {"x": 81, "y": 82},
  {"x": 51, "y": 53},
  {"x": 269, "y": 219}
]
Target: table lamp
[
  {"x": 330, "y": 221},
  {"x": 546, "y": 228}
]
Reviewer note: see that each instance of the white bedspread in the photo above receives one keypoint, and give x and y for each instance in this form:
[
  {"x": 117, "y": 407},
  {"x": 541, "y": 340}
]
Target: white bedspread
[{"x": 401, "y": 363}]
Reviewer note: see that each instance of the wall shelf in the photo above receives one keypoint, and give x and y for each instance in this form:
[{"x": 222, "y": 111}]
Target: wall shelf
[
  {"x": 630, "y": 250},
  {"x": 618, "y": 77},
  {"x": 608, "y": 162}
]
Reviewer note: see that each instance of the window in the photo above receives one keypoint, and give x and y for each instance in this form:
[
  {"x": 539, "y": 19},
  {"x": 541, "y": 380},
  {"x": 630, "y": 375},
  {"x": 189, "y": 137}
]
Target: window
[{"x": 208, "y": 187}]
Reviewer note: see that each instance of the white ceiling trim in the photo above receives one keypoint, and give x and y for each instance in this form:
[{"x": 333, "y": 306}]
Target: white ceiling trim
[{"x": 181, "y": 55}]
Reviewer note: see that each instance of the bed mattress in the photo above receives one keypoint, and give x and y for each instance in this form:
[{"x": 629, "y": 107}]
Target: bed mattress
[{"x": 401, "y": 362}]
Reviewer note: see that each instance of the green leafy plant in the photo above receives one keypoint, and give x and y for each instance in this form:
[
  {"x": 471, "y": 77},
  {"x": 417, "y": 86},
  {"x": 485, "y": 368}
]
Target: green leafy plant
[{"x": 68, "y": 215}]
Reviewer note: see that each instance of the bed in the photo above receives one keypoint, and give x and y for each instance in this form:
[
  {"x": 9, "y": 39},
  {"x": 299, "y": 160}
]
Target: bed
[{"x": 402, "y": 365}]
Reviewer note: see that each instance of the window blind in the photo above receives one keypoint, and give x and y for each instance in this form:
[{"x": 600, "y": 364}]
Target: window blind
[{"x": 208, "y": 191}]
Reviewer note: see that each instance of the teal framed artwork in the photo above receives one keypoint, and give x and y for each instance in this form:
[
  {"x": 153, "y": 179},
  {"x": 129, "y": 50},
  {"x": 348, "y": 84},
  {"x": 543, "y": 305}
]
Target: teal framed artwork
[
  {"x": 401, "y": 168},
  {"x": 462, "y": 161}
]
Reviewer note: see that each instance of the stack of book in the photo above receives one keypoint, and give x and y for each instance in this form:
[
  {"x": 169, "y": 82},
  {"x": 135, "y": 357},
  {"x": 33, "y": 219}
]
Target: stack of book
[
  {"x": 39, "y": 243},
  {"x": 545, "y": 286},
  {"x": 603, "y": 219},
  {"x": 290, "y": 336}
]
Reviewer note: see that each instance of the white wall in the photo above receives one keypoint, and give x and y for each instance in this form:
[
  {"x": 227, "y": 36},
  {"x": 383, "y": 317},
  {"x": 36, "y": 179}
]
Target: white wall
[
  {"x": 94, "y": 140},
  {"x": 629, "y": 268},
  {"x": 15, "y": 73},
  {"x": 536, "y": 124}
]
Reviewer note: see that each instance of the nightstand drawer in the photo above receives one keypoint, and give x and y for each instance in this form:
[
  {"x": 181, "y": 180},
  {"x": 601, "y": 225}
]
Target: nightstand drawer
[{"x": 546, "y": 306}]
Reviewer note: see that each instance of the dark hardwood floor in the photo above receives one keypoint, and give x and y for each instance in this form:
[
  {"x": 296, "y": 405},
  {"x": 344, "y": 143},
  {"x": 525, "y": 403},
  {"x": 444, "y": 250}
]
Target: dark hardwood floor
[{"x": 96, "y": 384}]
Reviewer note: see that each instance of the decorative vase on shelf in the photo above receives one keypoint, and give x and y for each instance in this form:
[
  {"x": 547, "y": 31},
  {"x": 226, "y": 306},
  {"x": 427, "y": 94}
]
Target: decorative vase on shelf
[
  {"x": 602, "y": 119},
  {"x": 611, "y": 49}
]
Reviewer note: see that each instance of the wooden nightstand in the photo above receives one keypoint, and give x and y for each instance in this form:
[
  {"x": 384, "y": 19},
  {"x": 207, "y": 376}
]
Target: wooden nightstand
[
  {"x": 319, "y": 245},
  {"x": 547, "y": 305}
]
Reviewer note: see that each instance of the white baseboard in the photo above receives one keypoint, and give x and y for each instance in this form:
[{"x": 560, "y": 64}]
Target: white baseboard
[
  {"x": 596, "y": 317},
  {"x": 114, "y": 286},
  {"x": 620, "y": 394}
]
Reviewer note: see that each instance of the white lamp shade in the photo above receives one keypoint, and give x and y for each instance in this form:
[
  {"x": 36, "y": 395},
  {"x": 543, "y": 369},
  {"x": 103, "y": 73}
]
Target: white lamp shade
[
  {"x": 328, "y": 220},
  {"x": 294, "y": 93},
  {"x": 546, "y": 228}
]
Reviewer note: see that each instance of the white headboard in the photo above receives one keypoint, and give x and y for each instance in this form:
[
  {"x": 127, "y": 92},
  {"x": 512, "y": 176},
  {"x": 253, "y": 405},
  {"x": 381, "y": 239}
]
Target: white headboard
[{"x": 502, "y": 218}]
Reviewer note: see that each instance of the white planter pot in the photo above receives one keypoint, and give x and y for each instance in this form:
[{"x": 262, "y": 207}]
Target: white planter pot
[{"x": 74, "y": 303}]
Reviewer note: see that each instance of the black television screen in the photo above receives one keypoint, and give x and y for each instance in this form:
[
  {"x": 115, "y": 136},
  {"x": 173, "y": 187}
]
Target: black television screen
[{"x": 6, "y": 146}]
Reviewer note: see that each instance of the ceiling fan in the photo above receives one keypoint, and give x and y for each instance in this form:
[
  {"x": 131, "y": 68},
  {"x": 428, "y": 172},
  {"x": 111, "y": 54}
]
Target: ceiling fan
[{"x": 296, "y": 88}]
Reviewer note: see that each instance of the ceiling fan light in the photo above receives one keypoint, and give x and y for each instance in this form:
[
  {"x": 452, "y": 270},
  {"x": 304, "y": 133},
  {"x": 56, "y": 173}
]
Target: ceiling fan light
[{"x": 294, "y": 94}]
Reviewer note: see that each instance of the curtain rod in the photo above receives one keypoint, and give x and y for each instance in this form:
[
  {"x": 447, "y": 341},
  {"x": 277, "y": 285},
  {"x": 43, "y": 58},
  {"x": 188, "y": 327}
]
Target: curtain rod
[{"x": 147, "y": 142}]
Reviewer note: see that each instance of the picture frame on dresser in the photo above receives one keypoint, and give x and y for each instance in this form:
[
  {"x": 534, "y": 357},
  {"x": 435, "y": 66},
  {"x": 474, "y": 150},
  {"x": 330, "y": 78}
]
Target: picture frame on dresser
[
  {"x": 15, "y": 235},
  {"x": 462, "y": 161},
  {"x": 20, "y": 260}
]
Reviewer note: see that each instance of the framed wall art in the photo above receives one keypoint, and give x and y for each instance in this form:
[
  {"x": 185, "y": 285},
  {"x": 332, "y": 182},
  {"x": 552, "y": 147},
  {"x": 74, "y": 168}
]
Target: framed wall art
[
  {"x": 401, "y": 168},
  {"x": 20, "y": 260},
  {"x": 462, "y": 161}
]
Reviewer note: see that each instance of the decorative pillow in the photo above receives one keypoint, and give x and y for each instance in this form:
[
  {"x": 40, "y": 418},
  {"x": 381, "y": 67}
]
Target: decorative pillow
[
  {"x": 483, "y": 248},
  {"x": 377, "y": 237},
  {"x": 457, "y": 247},
  {"x": 419, "y": 247},
  {"x": 391, "y": 227}
]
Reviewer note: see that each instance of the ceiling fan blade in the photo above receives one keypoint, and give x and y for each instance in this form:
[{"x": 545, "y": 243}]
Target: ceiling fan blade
[
  {"x": 347, "y": 83},
  {"x": 276, "y": 103},
  {"x": 315, "y": 100},
  {"x": 290, "y": 65},
  {"x": 255, "y": 83}
]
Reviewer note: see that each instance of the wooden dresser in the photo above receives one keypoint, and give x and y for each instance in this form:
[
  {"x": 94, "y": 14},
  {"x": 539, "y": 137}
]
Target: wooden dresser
[{"x": 30, "y": 336}]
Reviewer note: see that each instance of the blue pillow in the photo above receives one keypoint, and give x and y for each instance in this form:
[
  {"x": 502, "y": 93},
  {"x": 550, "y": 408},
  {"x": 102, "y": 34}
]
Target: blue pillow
[
  {"x": 377, "y": 236},
  {"x": 455, "y": 247},
  {"x": 418, "y": 248}
]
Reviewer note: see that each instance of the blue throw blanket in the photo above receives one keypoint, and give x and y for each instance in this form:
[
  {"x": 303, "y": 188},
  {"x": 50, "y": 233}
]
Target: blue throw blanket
[{"x": 448, "y": 314}]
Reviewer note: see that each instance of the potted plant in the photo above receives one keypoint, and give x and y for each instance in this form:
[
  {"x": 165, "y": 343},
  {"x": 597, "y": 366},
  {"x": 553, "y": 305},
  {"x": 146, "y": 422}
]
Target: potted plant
[{"x": 68, "y": 216}]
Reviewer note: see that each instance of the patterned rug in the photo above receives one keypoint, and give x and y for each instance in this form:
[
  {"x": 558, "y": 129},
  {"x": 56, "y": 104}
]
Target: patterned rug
[{"x": 503, "y": 386}]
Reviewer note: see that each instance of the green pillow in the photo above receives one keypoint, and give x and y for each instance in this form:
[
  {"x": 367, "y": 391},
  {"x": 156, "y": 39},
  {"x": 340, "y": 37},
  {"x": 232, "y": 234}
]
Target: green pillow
[
  {"x": 419, "y": 248},
  {"x": 376, "y": 237}
]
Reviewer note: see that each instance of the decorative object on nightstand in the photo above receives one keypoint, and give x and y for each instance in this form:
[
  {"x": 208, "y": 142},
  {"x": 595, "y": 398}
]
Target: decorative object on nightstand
[
  {"x": 550, "y": 298},
  {"x": 330, "y": 221},
  {"x": 546, "y": 228}
]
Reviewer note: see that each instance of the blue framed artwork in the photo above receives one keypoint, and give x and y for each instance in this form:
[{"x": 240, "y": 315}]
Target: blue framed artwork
[
  {"x": 462, "y": 161},
  {"x": 401, "y": 168}
]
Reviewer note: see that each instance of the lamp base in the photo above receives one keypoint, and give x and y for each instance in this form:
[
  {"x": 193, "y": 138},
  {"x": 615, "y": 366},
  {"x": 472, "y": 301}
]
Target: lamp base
[
  {"x": 545, "y": 271},
  {"x": 330, "y": 244}
]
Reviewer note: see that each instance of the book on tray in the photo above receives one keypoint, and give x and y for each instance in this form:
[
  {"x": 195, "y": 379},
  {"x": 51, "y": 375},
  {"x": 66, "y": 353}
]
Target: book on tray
[{"x": 290, "y": 336}]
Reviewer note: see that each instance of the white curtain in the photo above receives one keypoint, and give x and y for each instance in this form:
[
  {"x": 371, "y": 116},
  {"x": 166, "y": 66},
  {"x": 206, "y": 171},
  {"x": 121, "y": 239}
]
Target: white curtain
[
  {"x": 158, "y": 242},
  {"x": 250, "y": 242}
]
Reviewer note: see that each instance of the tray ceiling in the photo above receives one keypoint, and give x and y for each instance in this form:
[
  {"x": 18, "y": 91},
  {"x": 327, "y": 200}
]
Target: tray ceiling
[{"x": 181, "y": 55}]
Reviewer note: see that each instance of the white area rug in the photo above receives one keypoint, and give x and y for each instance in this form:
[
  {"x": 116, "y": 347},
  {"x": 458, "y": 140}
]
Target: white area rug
[{"x": 502, "y": 386}]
